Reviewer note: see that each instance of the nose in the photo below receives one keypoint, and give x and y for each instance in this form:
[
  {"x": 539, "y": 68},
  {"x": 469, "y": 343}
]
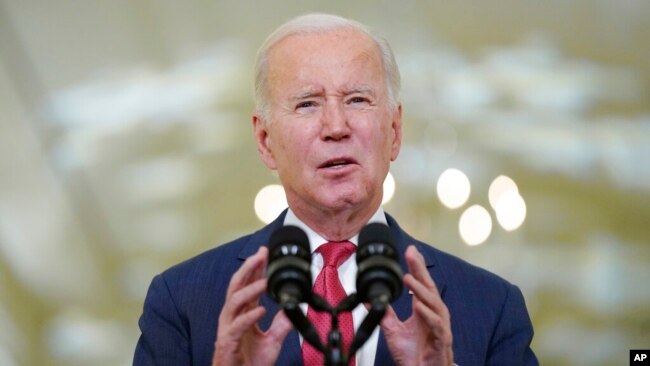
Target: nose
[{"x": 335, "y": 124}]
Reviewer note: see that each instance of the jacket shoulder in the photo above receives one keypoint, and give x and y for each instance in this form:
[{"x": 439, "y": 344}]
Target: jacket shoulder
[
  {"x": 458, "y": 270},
  {"x": 224, "y": 258},
  {"x": 218, "y": 261}
]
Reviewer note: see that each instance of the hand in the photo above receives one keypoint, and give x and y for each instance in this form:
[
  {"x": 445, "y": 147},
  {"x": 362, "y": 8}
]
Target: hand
[
  {"x": 425, "y": 337},
  {"x": 240, "y": 341}
]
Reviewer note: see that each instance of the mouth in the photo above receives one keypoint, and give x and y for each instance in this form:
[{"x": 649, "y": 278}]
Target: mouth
[{"x": 337, "y": 163}]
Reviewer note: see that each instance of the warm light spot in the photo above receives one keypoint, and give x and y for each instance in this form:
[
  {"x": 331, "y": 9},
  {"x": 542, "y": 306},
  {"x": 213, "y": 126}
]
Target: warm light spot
[
  {"x": 499, "y": 186},
  {"x": 453, "y": 188},
  {"x": 475, "y": 225},
  {"x": 389, "y": 188},
  {"x": 511, "y": 210},
  {"x": 269, "y": 202}
]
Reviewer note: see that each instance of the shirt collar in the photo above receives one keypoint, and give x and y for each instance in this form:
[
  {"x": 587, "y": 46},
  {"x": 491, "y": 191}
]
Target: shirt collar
[{"x": 315, "y": 240}]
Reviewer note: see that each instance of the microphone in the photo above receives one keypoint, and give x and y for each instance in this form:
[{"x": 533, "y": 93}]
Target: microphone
[
  {"x": 288, "y": 270},
  {"x": 379, "y": 277},
  {"x": 289, "y": 279}
]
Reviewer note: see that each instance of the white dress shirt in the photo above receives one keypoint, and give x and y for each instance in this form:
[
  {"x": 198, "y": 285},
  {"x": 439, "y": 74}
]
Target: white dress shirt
[{"x": 365, "y": 356}]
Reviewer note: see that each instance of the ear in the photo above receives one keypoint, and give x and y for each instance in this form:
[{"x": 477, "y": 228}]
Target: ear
[
  {"x": 396, "y": 127},
  {"x": 263, "y": 140}
]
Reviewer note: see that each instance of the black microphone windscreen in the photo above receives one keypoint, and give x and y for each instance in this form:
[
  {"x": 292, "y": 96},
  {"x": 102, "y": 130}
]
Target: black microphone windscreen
[
  {"x": 376, "y": 233},
  {"x": 288, "y": 267},
  {"x": 289, "y": 235},
  {"x": 379, "y": 277}
]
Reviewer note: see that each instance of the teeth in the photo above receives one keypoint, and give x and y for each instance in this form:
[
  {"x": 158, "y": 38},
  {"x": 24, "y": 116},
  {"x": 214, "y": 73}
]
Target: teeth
[{"x": 337, "y": 163}]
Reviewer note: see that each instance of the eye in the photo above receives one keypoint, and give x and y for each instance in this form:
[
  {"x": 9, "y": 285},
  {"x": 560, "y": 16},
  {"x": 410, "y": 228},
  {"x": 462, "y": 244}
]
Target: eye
[
  {"x": 305, "y": 105},
  {"x": 356, "y": 100}
]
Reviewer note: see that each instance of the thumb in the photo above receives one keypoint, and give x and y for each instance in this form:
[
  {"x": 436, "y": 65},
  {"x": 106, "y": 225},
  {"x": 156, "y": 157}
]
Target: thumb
[
  {"x": 390, "y": 321},
  {"x": 280, "y": 327}
]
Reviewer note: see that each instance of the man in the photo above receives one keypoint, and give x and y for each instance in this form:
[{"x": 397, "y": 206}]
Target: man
[{"x": 329, "y": 121}]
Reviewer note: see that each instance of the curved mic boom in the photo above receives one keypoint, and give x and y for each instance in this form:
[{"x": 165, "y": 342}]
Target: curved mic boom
[{"x": 288, "y": 271}]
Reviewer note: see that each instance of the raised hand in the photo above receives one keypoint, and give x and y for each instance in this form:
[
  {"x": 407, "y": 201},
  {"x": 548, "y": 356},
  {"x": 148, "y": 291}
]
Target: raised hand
[
  {"x": 425, "y": 337},
  {"x": 240, "y": 341}
]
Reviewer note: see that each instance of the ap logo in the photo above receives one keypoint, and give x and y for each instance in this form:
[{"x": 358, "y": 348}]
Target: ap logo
[{"x": 639, "y": 357}]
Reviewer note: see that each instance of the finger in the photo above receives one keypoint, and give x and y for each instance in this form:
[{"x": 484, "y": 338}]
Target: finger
[
  {"x": 425, "y": 295},
  {"x": 421, "y": 292},
  {"x": 243, "y": 300},
  {"x": 280, "y": 327},
  {"x": 244, "y": 322},
  {"x": 260, "y": 269},
  {"x": 439, "y": 326},
  {"x": 246, "y": 272},
  {"x": 418, "y": 268}
]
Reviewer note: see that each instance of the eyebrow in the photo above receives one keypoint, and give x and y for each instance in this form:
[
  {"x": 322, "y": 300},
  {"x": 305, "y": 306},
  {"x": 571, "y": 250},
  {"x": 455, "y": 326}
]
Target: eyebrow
[
  {"x": 315, "y": 92},
  {"x": 309, "y": 93},
  {"x": 361, "y": 90}
]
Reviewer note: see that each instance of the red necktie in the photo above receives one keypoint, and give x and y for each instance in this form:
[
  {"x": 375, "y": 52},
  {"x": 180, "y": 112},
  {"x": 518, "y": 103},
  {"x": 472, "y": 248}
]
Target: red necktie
[{"x": 329, "y": 287}]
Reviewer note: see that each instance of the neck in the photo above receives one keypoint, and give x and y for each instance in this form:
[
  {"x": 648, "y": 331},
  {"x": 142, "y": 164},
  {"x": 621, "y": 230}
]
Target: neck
[{"x": 336, "y": 225}]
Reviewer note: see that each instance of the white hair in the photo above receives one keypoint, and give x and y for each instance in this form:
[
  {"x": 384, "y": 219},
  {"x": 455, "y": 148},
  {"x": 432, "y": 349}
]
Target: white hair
[{"x": 320, "y": 23}]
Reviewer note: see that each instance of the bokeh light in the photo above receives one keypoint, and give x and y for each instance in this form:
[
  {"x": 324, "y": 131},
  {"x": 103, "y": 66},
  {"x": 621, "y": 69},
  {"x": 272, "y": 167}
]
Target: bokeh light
[
  {"x": 453, "y": 188},
  {"x": 510, "y": 210},
  {"x": 269, "y": 202},
  {"x": 475, "y": 225},
  {"x": 499, "y": 186},
  {"x": 389, "y": 189}
]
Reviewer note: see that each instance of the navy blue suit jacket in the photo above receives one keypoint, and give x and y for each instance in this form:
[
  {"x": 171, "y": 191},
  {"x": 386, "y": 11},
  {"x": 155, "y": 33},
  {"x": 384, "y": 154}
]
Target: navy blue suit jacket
[{"x": 489, "y": 320}]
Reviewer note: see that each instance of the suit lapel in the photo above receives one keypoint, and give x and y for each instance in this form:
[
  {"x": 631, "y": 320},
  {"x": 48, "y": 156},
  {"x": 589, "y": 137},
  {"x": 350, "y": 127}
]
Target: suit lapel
[{"x": 261, "y": 237}]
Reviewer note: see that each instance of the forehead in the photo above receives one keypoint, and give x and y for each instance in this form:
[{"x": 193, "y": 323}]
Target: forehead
[{"x": 341, "y": 56}]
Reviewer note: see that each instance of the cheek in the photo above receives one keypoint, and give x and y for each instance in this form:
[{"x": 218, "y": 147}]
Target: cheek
[
  {"x": 293, "y": 150},
  {"x": 282, "y": 138},
  {"x": 383, "y": 139},
  {"x": 299, "y": 137}
]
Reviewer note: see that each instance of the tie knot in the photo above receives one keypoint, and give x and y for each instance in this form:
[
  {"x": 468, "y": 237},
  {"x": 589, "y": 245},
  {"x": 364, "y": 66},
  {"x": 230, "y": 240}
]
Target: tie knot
[{"x": 336, "y": 252}]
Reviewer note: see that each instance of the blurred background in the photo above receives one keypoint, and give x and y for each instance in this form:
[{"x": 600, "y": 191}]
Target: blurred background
[{"x": 126, "y": 146}]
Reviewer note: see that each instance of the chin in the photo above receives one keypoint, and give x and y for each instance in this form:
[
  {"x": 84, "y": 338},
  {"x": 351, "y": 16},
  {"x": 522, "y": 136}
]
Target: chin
[{"x": 344, "y": 202}]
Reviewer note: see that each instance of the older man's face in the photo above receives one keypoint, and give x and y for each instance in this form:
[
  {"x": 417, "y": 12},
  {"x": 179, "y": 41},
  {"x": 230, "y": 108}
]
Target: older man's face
[{"x": 331, "y": 134}]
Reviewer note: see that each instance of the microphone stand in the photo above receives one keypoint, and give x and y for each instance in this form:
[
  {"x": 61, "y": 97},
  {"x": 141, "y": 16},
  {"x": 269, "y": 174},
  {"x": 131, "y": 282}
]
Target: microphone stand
[{"x": 333, "y": 351}]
